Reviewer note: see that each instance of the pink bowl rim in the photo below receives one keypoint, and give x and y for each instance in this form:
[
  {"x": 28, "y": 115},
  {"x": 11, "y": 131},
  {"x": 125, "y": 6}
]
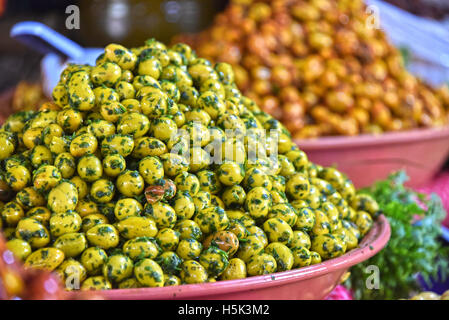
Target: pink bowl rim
[
  {"x": 372, "y": 243},
  {"x": 368, "y": 140}
]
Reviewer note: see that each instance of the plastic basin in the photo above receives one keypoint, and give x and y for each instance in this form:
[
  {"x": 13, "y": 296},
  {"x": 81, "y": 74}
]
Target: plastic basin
[
  {"x": 368, "y": 158},
  {"x": 313, "y": 282}
]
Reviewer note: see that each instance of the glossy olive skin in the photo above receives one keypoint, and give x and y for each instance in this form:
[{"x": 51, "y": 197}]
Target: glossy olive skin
[
  {"x": 152, "y": 169},
  {"x": 149, "y": 273},
  {"x": 96, "y": 283},
  {"x": 141, "y": 247},
  {"x": 45, "y": 259},
  {"x": 93, "y": 259},
  {"x": 33, "y": 232},
  {"x": 104, "y": 236},
  {"x": 20, "y": 248},
  {"x": 193, "y": 272},
  {"x": 117, "y": 268}
]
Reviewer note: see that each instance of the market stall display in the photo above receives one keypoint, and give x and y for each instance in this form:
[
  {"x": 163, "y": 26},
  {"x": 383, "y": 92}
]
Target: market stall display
[
  {"x": 152, "y": 152},
  {"x": 322, "y": 67}
]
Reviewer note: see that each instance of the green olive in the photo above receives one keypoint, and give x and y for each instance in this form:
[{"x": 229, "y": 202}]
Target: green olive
[
  {"x": 193, "y": 272},
  {"x": 149, "y": 273},
  {"x": 117, "y": 268},
  {"x": 141, "y": 247},
  {"x": 130, "y": 183},
  {"x": 93, "y": 259}
]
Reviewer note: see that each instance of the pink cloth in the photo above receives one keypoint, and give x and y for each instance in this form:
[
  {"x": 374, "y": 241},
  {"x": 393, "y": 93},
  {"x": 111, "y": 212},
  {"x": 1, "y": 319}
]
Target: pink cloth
[
  {"x": 340, "y": 293},
  {"x": 440, "y": 186}
]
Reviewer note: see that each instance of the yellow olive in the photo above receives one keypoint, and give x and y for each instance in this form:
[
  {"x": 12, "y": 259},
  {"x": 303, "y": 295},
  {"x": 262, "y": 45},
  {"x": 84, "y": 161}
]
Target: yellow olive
[
  {"x": 188, "y": 229},
  {"x": 278, "y": 230},
  {"x": 151, "y": 169},
  {"x": 104, "y": 236},
  {"x": 104, "y": 95},
  {"x": 86, "y": 207},
  {"x": 193, "y": 272},
  {"x": 101, "y": 128},
  {"x": 363, "y": 221},
  {"x": 148, "y": 273},
  {"x": 214, "y": 260},
  {"x": 127, "y": 207},
  {"x": 328, "y": 246},
  {"x": 69, "y": 119},
  {"x": 29, "y": 198},
  {"x": 133, "y": 123},
  {"x": 20, "y": 248},
  {"x": 148, "y": 146},
  {"x": 117, "y": 268},
  {"x": 12, "y": 213},
  {"x": 107, "y": 73},
  {"x": 81, "y": 186},
  {"x": 141, "y": 247},
  {"x": 71, "y": 272},
  {"x": 189, "y": 249},
  {"x": 212, "y": 219},
  {"x": 83, "y": 144},
  {"x": 114, "y": 164},
  {"x": 129, "y": 283},
  {"x": 66, "y": 165},
  {"x": 236, "y": 269},
  {"x": 347, "y": 236},
  {"x": 162, "y": 213},
  {"x": 187, "y": 182},
  {"x": 231, "y": 173},
  {"x": 117, "y": 143},
  {"x": 171, "y": 280},
  {"x": 306, "y": 219},
  {"x": 298, "y": 186},
  {"x": 125, "y": 90},
  {"x": 6, "y": 145},
  {"x": 170, "y": 262},
  {"x": 163, "y": 128},
  {"x": 209, "y": 181},
  {"x": 300, "y": 239},
  {"x": 72, "y": 244},
  {"x": 168, "y": 239},
  {"x": 102, "y": 191},
  {"x": 40, "y": 155},
  {"x": 183, "y": 205},
  {"x": 302, "y": 257},
  {"x": 130, "y": 183},
  {"x": 234, "y": 197},
  {"x": 364, "y": 202},
  {"x": 33, "y": 232},
  {"x": 89, "y": 168},
  {"x": 282, "y": 254},
  {"x": 91, "y": 220},
  {"x": 46, "y": 177},
  {"x": 258, "y": 203},
  {"x": 96, "y": 283},
  {"x": 18, "y": 177},
  {"x": 40, "y": 214},
  {"x": 252, "y": 246},
  {"x": 261, "y": 264},
  {"x": 284, "y": 211},
  {"x": 93, "y": 259},
  {"x": 120, "y": 55},
  {"x": 133, "y": 227},
  {"x": 63, "y": 197}
]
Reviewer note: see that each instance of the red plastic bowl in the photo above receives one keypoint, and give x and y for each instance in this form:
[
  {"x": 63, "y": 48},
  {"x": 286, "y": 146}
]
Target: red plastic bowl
[
  {"x": 367, "y": 158},
  {"x": 313, "y": 282}
]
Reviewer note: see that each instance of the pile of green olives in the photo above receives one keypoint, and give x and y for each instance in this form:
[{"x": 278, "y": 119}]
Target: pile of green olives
[{"x": 100, "y": 183}]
